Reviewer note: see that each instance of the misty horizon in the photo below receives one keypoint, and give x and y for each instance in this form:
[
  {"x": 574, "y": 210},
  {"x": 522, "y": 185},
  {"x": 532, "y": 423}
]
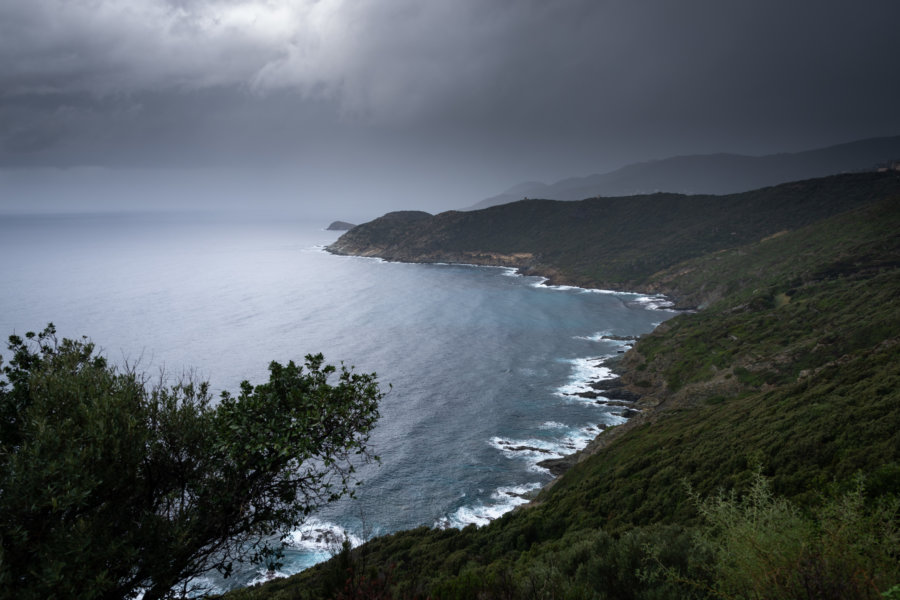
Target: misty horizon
[{"x": 347, "y": 111}]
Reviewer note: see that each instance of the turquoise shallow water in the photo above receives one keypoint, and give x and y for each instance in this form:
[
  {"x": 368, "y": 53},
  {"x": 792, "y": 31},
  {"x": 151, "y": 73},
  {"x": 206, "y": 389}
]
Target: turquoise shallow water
[{"x": 482, "y": 363}]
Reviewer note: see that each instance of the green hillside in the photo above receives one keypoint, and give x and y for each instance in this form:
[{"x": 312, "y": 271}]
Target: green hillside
[
  {"x": 615, "y": 243},
  {"x": 784, "y": 390}
]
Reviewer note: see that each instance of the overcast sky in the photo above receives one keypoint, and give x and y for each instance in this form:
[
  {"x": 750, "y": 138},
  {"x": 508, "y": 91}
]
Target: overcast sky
[{"x": 357, "y": 107}]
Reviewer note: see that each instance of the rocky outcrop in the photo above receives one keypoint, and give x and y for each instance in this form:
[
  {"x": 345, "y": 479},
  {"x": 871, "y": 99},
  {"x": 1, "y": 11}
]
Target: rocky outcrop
[{"x": 340, "y": 226}]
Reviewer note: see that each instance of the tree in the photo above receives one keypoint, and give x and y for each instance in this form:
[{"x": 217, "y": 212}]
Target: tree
[{"x": 110, "y": 486}]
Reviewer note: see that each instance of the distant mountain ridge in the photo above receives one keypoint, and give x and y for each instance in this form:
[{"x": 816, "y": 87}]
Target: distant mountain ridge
[{"x": 710, "y": 173}]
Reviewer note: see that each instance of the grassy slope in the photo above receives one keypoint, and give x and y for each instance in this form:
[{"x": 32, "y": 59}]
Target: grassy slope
[{"x": 795, "y": 366}]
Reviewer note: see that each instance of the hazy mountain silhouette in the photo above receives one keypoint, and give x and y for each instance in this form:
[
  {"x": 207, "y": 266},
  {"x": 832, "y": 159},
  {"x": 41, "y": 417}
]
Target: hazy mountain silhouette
[{"x": 710, "y": 173}]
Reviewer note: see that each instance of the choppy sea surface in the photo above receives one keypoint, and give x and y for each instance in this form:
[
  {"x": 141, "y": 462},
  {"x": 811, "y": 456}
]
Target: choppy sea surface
[{"x": 483, "y": 364}]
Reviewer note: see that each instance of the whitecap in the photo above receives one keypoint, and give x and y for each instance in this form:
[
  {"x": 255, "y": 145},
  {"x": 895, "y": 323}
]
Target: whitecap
[
  {"x": 504, "y": 499},
  {"x": 657, "y": 302},
  {"x": 320, "y": 536},
  {"x": 559, "y": 288},
  {"x": 541, "y": 282},
  {"x": 585, "y": 371},
  {"x": 533, "y": 450},
  {"x": 609, "y": 337},
  {"x": 594, "y": 337},
  {"x": 316, "y": 541},
  {"x": 355, "y": 257},
  {"x": 581, "y": 437},
  {"x": 263, "y": 575},
  {"x": 614, "y": 419}
]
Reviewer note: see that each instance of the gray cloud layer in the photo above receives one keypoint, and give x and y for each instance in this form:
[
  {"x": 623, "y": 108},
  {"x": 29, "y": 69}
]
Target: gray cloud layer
[{"x": 488, "y": 91}]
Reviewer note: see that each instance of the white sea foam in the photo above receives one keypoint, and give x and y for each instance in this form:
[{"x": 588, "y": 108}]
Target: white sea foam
[
  {"x": 263, "y": 575},
  {"x": 583, "y": 436},
  {"x": 585, "y": 371},
  {"x": 542, "y": 284},
  {"x": 614, "y": 419},
  {"x": 317, "y": 541},
  {"x": 504, "y": 499},
  {"x": 320, "y": 536},
  {"x": 533, "y": 450},
  {"x": 657, "y": 302},
  {"x": 595, "y": 337},
  {"x": 605, "y": 336},
  {"x": 354, "y": 257}
]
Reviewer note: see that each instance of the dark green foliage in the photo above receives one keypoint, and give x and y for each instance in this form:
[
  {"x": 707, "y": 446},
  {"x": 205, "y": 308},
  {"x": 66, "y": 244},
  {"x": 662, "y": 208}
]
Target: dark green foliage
[
  {"x": 615, "y": 243},
  {"x": 109, "y": 486},
  {"x": 763, "y": 547},
  {"x": 794, "y": 364}
]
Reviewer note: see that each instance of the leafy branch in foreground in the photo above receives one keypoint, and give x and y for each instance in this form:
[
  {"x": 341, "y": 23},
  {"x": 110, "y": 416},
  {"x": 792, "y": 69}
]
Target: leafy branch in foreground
[{"x": 110, "y": 487}]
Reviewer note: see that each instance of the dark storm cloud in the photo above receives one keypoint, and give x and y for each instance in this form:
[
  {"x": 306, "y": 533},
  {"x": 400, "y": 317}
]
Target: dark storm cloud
[{"x": 525, "y": 88}]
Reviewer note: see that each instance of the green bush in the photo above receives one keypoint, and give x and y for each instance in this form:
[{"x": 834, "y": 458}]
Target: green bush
[
  {"x": 110, "y": 487},
  {"x": 763, "y": 547}
]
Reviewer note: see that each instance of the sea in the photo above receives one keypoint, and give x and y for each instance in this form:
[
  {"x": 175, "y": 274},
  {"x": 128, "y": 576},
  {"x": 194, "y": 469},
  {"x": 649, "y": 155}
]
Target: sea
[{"x": 481, "y": 367}]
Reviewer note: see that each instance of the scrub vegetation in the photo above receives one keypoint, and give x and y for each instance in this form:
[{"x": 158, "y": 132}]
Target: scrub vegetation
[{"x": 766, "y": 463}]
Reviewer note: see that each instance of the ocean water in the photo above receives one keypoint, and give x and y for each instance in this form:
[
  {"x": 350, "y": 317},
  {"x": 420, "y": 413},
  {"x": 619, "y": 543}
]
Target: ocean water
[{"x": 483, "y": 364}]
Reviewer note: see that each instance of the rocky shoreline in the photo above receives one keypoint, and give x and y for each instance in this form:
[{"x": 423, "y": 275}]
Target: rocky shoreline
[{"x": 616, "y": 392}]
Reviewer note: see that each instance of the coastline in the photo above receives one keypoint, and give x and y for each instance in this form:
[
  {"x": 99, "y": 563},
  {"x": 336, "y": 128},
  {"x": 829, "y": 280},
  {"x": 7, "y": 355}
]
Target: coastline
[
  {"x": 551, "y": 276},
  {"x": 613, "y": 391}
]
